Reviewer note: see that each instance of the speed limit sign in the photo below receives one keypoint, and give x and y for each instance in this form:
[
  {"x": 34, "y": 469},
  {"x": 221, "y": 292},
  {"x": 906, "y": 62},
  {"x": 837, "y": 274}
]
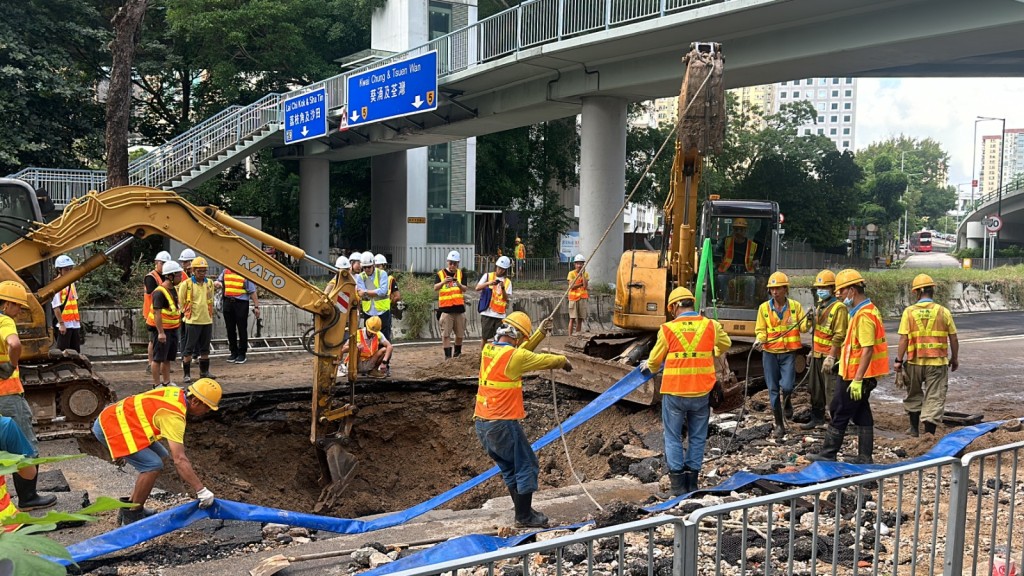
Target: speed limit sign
[{"x": 993, "y": 224}]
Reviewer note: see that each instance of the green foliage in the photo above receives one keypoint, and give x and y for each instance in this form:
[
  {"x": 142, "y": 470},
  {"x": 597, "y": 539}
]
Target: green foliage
[
  {"x": 105, "y": 285},
  {"x": 420, "y": 301},
  {"x": 642, "y": 145}
]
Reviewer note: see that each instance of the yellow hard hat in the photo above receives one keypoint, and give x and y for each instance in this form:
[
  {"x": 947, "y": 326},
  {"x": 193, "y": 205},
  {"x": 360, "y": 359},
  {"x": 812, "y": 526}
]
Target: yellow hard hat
[
  {"x": 922, "y": 281},
  {"x": 521, "y": 322},
  {"x": 373, "y": 324},
  {"x": 825, "y": 278},
  {"x": 11, "y": 291},
  {"x": 207, "y": 390},
  {"x": 778, "y": 279},
  {"x": 848, "y": 277},
  {"x": 200, "y": 262},
  {"x": 739, "y": 223},
  {"x": 518, "y": 239},
  {"x": 680, "y": 293}
]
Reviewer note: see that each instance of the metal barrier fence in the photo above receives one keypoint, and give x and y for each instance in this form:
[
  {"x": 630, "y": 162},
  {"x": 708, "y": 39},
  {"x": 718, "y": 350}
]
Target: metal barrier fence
[
  {"x": 531, "y": 269},
  {"x": 946, "y": 515}
]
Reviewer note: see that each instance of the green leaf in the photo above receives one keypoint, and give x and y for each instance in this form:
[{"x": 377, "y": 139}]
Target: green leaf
[
  {"x": 23, "y": 548},
  {"x": 105, "y": 504}
]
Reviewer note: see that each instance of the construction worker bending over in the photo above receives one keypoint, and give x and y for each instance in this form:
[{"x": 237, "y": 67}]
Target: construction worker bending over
[
  {"x": 499, "y": 408},
  {"x": 929, "y": 342},
  {"x": 196, "y": 297},
  {"x": 451, "y": 304},
  {"x": 579, "y": 282},
  {"x": 831, "y": 319},
  {"x": 687, "y": 345},
  {"x": 374, "y": 349},
  {"x": 65, "y": 309},
  {"x": 14, "y": 298},
  {"x": 149, "y": 284},
  {"x": 165, "y": 315},
  {"x": 132, "y": 428},
  {"x": 864, "y": 359},
  {"x": 495, "y": 290},
  {"x": 780, "y": 321},
  {"x": 344, "y": 266}
]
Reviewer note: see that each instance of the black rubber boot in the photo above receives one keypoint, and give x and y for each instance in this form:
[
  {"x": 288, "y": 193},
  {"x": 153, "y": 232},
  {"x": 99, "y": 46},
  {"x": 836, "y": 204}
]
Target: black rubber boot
[
  {"x": 787, "y": 406},
  {"x": 447, "y": 353},
  {"x": 679, "y": 482},
  {"x": 186, "y": 370},
  {"x": 526, "y": 516},
  {"x": 833, "y": 441},
  {"x": 28, "y": 498},
  {"x": 204, "y": 368},
  {"x": 691, "y": 480},
  {"x": 147, "y": 512},
  {"x": 458, "y": 351},
  {"x": 915, "y": 424},
  {"x": 817, "y": 420},
  {"x": 865, "y": 445},
  {"x": 929, "y": 428},
  {"x": 780, "y": 423}
]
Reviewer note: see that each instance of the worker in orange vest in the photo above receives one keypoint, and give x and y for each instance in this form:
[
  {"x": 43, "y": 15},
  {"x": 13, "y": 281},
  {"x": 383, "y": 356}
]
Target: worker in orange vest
[
  {"x": 132, "y": 429},
  {"x": 165, "y": 316},
  {"x": 579, "y": 282},
  {"x": 65, "y": 309},
  {"x": 238, "y": 292},
  {"x": 780, "y": 320},
  {"x": 451, "y": 305},
  {"x": 863, "y": 359},
  {"x": 149, "y": 284}
]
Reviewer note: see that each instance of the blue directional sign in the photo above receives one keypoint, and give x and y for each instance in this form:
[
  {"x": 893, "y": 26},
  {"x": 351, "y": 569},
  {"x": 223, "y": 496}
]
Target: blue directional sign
[
  {"x": 305, "y": 116},
  {"x": 396, "y": 89}
]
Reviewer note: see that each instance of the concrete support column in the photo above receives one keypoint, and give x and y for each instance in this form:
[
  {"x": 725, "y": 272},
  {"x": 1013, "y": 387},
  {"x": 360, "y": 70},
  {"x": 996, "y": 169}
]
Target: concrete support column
[
  {"x": 315, "y": 213},
  {"x": 602, "y": 183}
]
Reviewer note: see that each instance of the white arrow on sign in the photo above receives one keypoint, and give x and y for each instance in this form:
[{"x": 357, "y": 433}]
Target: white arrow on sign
[
  {"x": 355, "y": 116},
  {"x": 417, "y": 102},
  {"x": 305, "y": 130}
]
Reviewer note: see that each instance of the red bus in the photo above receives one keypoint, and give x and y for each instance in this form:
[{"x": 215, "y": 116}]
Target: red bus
[{"x": 921, "y": 241}]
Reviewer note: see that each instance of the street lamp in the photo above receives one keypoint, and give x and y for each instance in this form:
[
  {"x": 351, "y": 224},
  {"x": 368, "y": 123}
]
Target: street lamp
[{"x": 1002, "y": 154}]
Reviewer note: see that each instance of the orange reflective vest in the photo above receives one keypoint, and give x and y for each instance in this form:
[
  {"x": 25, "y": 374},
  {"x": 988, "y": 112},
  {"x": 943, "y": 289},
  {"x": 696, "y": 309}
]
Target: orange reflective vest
[
  {"x": 147, "y": 298},
  {"x": 448, "y": 295},
  {"x": 783, "y": 334},
  {"x": 690, "y": 364},
  {"x": 748, "y": 257},
  {"x": 499, "y": 298},
  {"x": 498, "y": 396},
  {"x": 520, "y": 251},
  {"x": 128, "y": 425},
  {"x": 825, "y": 327},
  {"x": 170, "y": 317},
  {"x": 578, "y": 290},
  {"x": 879, "y": 365},
  {"x": 929, "y": 334},
  {"x": 368, "y": 345},
  {"x": 69, "y": 311},
  {"x": 7, "y": 508},
  {"x": 234, "y": 285}
]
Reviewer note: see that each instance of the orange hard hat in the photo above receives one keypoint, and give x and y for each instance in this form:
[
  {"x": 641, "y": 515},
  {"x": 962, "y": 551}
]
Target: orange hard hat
[{"x": 922, "y": 281}]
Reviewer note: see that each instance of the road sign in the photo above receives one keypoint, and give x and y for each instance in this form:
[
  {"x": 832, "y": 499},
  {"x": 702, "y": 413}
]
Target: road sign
[
  {"x": 396, "y": 89},
  {"x": 305, "y": 116},
  {"x": 993, "y": 224}
]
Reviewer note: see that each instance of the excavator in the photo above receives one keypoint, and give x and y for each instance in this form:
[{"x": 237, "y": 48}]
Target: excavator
[
  {"x": 735, "y": 289},
  {"x": 66, "y": 394}
]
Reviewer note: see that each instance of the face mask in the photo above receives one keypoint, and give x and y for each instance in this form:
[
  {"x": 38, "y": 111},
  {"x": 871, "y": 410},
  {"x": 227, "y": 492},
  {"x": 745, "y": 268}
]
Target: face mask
[
  {"x": 824, "y": 294},
  {"x": 848, "y": 302}
]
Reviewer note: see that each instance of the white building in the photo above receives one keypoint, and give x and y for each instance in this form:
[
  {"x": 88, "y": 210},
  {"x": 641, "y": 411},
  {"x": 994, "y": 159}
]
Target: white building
[
  {"x": 1013, "y": 161},
  {"x": 834, "y": 98}
]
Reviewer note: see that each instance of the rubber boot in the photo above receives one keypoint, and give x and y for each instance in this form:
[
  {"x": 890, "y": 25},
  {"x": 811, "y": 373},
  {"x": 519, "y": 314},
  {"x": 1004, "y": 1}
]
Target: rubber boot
[
  {"x": 915, "y": 424},
  {"x": 780, "y": 424},
  {"x": 447, "y": 353},
  {"x": 833, "y": 441},
  {"x": 929, "y": 428},
  {"x": 186, "y": 369},
  {"x": 204, "y": 368},
  {"x": 146, "y": 512},
  {"x": 458, "y": 351},
  {"x": 28, "y": 498},
  {"x": 691, "y": 480},
  {"x": 526, "y": 516},
  {"x": 787, "y": 406},
  {"x": 865, "y": 445},
  {"x": 679, "y": 482},
  {"x": 817, "y": 419}
]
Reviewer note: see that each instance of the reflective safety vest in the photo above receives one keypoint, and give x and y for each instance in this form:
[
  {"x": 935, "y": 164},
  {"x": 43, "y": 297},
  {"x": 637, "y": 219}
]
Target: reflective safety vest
[
  {"x": 7, "y": 508},
  {"x": 520, "y": 251},
  {"x": 578, "y": 291},
  {"x": 69, "y": 310},
  {"x": 748, "y": 257},
  {"x": 368, "y": 345},
  {"x": 186, "y": 305},
  {"x": 234, "y": 285},
  {"x": 929, "y": 334},
  {"x": 147, "y": 299},
  {"x": 382, "y": 304},
  {"x": 499, "y": 298},
  {"x": 10, "y": 385},
  {"x": 783, "y": 333},
  {"x": 690, "y": 364},
  {"x": 449, "y": 295},
  {"x": 128, "y": 425},
  {"x": 879, "y": 365},
  {"x": 825, "y": 327},
  {"x": 171, "y": 317},
  {"x": 498, "y": 396}
]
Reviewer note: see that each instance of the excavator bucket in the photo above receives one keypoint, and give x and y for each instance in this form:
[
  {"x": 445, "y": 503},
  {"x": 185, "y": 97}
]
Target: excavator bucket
[{"x": 340, "y": 464}]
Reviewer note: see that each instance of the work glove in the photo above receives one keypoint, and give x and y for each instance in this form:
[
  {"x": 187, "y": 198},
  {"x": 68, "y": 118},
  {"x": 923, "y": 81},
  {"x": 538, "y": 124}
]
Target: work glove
[
  {"x": 546, "y": 325},
  {"x": 6, "y": 370},
  {"x": 758, "y": 345},
  {"x": 645, "y": 371},
  {"x": 856, "y": 389},
  {"x": 567, "y": 366},
  {"x": 827, "y": 364},
  {"x": 205, "y": 498}
]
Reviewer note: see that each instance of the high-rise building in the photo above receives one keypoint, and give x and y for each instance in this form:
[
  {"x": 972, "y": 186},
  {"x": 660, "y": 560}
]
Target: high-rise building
[
  {"x": 835, "y": 100},
  {"x": 756, "y": 101},
  {"x": 1013, "y": 161}
]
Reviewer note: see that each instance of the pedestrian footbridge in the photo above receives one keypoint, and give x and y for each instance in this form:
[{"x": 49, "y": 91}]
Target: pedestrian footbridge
[{"x": 1007, "y": 201}]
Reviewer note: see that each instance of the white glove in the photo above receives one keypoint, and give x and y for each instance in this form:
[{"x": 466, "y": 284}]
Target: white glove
[
  {"x": 758, "y": 345},
  {"x": 827, "y": 364},
  {"x": 546, "y": 325},
  {"x": 205, "y": 498}
]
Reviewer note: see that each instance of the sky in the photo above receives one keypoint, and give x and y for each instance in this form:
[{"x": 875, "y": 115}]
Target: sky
[{"x": 943, "y": 109}]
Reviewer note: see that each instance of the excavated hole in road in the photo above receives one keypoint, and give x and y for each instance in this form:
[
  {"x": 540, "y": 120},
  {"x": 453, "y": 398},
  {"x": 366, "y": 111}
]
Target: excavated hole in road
[{"x": 413, "y": 441}]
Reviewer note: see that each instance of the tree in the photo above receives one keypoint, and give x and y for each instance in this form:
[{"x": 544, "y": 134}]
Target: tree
[
  {"x": 642, "y": 145},
  {"x": 127, "y": 27}
]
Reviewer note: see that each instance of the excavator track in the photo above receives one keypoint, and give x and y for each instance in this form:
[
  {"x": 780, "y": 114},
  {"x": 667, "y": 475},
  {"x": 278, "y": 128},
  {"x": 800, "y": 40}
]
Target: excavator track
[{"x": 66, "y": 395}]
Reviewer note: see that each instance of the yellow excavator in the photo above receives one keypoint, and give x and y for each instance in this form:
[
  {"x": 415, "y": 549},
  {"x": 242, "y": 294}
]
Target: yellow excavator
[
  {"x": 744, "y": 235},
  {"x": 65, "y": 393}
]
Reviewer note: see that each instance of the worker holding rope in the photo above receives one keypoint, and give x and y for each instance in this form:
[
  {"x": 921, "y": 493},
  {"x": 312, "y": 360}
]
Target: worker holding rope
[{"x": 780, "y": 320}]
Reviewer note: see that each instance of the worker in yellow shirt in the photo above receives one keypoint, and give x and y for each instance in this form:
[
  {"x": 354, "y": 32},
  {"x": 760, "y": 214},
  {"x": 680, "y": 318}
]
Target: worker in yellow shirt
[
  {"x": 780, "y": 320},
  {"x": 831, "y": 320},
  {"x": 929, "y": 342},
  {"x": 579, "y": 282}
]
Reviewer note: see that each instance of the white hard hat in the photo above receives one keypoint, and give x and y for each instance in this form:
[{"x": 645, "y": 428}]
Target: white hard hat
[
  {"x": 171, "y": 267},
  {"x": 187, "y": 254},
  {"x": 355, "y": 258},
  {"x": 504, "y": 262},
  {"x": 380, "y": 259},
  {"x": 453, "y": 256},
  {"x": 162, "y": 256},
  {"x": 579, "y": 258},
  {"x": 64, "y": 261},
  {"x": 367, "y": 259},
  {"x": 342, "y": 263}
]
